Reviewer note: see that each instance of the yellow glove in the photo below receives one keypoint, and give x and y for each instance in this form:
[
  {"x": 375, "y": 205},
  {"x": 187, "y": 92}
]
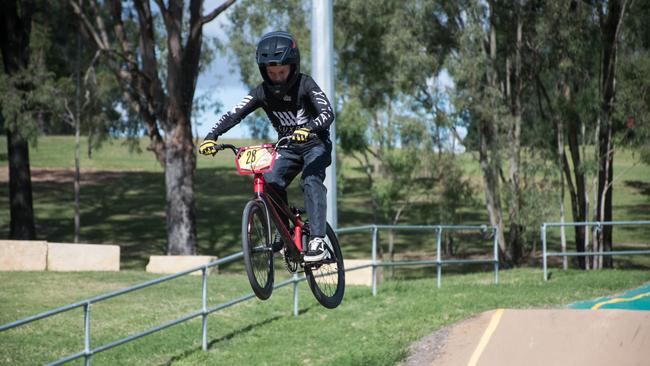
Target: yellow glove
[
  {"x": 300, "y": 135},
  {"x": 207, "y": 147}
]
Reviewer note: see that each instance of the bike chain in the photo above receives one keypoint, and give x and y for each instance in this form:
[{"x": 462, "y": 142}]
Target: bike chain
[{"x": 290, "y": 264}]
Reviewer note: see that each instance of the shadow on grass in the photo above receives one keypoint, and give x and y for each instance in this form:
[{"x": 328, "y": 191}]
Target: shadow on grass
[
  {"x": 215, "y": 342},
  {"x": 129, "y": 210},
  {"x": 642, "y": 187}
]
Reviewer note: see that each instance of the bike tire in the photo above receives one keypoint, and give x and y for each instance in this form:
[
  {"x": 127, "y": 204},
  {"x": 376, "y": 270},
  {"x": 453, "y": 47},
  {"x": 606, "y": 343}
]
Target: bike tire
[
  {"x": 256, "y": 244},
  {"x": 327, "y": 279}
]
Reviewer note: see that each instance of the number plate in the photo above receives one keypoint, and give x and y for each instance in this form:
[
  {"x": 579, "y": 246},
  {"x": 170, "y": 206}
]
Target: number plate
[{"x": 255, "y": 159}]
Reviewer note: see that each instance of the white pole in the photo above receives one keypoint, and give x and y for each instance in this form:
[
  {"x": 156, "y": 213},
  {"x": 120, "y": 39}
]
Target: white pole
[{"x": 322, "y": 55}]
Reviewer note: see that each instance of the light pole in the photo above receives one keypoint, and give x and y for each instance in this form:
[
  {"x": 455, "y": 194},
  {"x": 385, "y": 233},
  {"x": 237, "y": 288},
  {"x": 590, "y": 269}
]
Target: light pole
[{"x": 322, "y": 54}]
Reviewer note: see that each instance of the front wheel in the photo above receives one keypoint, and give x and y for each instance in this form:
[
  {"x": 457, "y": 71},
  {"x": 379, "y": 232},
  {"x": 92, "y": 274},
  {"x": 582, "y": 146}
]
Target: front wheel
[
  {"x": 258, "y": 253},
  {"x": 327, "y": 278}
]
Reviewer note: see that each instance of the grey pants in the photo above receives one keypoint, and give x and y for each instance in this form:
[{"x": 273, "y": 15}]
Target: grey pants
[{"x": 310, "y": 158}]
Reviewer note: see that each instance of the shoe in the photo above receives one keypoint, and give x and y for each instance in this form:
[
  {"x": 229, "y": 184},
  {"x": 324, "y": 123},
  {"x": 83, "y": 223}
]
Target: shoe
[
  {"x": 277, "y": 244},
  {"x": 315, "y": 250}
]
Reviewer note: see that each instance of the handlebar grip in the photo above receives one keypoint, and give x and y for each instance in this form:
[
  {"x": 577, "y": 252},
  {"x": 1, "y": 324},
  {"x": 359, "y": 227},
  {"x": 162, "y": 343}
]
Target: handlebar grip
[{"x": 220, "y": 147}]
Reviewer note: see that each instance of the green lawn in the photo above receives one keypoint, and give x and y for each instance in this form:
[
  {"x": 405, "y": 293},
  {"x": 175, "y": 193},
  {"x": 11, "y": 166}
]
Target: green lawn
[
  {"x": 364, "y": 330},
  {"x": 127, "y": 206}
]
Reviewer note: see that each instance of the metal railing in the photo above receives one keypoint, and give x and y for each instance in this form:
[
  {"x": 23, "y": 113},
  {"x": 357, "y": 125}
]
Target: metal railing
[
  {"x": 439, "y": 262},
  {"x": 598, "y": 226},
  {"x": 89, "y": 351}
]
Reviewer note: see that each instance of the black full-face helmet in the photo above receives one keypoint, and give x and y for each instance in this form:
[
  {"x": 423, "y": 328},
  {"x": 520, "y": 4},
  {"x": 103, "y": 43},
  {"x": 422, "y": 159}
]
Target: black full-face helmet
[{"x": 278, "y": 48}]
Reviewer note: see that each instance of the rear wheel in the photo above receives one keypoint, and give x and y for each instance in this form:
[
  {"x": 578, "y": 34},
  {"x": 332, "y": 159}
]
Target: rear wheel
[
  {"x": 327, "y": 278},
  {"x": 258, "y": 252}
]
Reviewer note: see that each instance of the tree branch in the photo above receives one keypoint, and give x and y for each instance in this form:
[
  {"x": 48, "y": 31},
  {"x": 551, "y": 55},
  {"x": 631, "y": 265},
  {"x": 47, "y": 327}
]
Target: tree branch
[
  {"x": 89, "y": 26},
  {"x": 150, "y": 83},
  {"x": 116, "y": 10},
  {"x": 69, "y": 115},
  {"x": 197, "y": 21},
  {"x": 161, "y": 5},
  {"x": 220, "y": 9}
]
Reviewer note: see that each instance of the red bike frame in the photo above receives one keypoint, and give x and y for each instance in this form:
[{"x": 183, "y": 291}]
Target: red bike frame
[{"x": 274, "y": 206}]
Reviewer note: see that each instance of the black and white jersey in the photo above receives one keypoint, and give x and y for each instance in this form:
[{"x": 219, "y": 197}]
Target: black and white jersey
[{"x": 304, "y": 105}]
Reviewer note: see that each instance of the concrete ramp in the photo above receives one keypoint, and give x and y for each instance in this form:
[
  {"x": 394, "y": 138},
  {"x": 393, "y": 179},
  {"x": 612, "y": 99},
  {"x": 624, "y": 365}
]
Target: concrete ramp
[{"x": 541, "y": 337}]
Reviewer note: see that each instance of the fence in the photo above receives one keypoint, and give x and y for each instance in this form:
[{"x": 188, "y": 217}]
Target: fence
[
  {"x": 439, "y": 262},
  {"x": 88, "y": 351},
  {"x": 598, "y": 225}
]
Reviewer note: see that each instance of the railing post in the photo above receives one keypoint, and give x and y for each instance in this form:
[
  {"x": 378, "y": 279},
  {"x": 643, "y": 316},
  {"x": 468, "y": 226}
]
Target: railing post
[
  {"x": 495, "y": 244},
  {"x": 438, "y": 256},
  {"x": 87, "y": 355},
  {"x": 295, "y": 294},
  {"x": 544, "y": 252},
  {"x": 204, "y": 302},
  {"x": 374, "y": 260}
]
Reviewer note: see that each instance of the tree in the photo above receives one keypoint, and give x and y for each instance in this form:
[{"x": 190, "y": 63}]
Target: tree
[
  {"x": 489, "y": 78},
  {"x": 15, "y": 32},
  {"x": 632, "y": 111},
  {"x": 579, "y": 87},
  {"x": 564, "y": 91},
  {"x": 159, "y": 90},
  {"x": 610, "y": 30}
]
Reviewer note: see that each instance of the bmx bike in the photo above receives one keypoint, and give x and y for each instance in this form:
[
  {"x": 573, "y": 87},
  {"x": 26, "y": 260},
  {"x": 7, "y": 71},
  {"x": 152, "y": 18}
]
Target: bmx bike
[{"x": 326, "y": 278}]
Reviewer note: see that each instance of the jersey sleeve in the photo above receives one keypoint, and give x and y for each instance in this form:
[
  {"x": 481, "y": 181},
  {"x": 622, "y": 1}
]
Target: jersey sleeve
[
  {"x": 324, "y": 112},
  {"x": 248, "y": 105}
]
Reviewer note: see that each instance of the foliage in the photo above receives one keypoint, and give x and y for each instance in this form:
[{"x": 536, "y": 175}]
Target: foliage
[
  {"x": 28, "y": 97},
  {"x": 633, "y": 95}
]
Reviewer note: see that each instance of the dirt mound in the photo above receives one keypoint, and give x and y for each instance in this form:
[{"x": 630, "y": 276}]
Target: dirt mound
[{"x": 539, "y": 337}]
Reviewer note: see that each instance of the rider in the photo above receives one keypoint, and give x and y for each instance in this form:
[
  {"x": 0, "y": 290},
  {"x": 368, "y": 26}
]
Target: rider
[{"x": 298, "y": 108}]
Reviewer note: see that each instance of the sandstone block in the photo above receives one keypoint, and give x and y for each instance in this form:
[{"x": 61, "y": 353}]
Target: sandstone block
[
  {"x": 82, "y": 257},
  {"x": 360, "y": 276},
  {"x": 178, "y": 263},
  {"x": 23, "y": 255}
]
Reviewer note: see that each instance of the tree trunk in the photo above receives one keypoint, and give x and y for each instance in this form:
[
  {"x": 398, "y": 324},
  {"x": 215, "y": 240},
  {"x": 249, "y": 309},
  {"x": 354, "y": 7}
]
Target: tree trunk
[
  {"x": 488, "y": 150},
  {"x": 491, "y": 183},
  {"x": 578, "y": 196},
  {"x": 513, "y": 80},
  {"x": 179, "y": 181},
  {"x": 15, "y": 30},
  {"x": 561, "y": 157},
  {"x": 20, "y": 188},
  {"x": 77, "y": 145},
  {"x": 610, "y": 27}
]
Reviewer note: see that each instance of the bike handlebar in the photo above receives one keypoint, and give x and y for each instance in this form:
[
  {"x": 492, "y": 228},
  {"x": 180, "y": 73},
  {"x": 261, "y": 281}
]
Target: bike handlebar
[
  {"x": 286, "y": 140},
  {"x": 226, "y": 146}
]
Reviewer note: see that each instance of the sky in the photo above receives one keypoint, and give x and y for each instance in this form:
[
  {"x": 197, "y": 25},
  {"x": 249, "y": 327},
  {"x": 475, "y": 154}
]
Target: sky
[{"x": 221, "y": 81}]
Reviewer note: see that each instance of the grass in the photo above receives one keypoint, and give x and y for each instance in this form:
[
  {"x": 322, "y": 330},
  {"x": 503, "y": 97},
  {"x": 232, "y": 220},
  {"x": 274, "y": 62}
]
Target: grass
[
  {"x": 128, "y": 207},
  {"x": 377, "y": 329}
]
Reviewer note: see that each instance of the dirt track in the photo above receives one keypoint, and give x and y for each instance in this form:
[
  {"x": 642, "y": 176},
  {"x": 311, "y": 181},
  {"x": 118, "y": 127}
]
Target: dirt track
[{"x": 540, "y": 337}]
